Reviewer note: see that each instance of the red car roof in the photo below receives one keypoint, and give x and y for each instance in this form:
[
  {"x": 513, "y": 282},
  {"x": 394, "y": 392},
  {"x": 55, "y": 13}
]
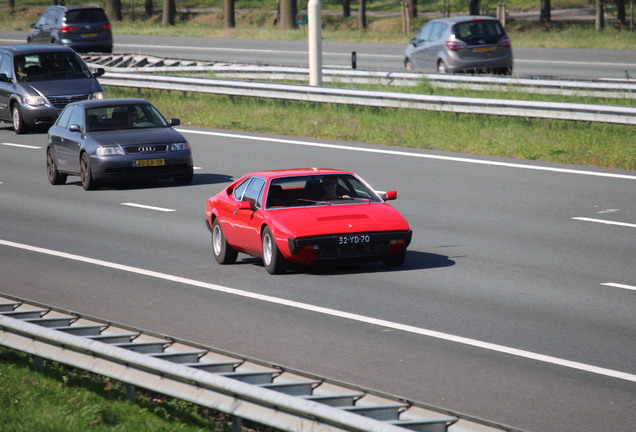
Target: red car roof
[{"x": 297, "y": 172}]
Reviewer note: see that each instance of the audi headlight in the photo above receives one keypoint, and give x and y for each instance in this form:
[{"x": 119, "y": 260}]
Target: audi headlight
[
  {"x": 109, "y": 151},
  {"x": 34, "y": 100},
  {"x": 98, "y": 96},
  {"x": 180, "y": 146}
]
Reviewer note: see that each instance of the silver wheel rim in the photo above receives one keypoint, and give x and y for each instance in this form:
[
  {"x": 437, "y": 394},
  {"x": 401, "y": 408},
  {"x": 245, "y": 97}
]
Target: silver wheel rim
[
  {"x": 84, "y": 173},
  {"x": 217, "y": 237},
  {"x": 267, "y": 249},
  {"x": 50, "y": 165},
  {"x": 16, "y": 119}
]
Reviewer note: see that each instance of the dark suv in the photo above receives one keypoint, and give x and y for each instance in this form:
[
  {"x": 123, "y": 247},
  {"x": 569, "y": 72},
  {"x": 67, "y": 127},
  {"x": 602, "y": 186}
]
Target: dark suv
[
  {"x": 83, "y": 28},
  {"x": 38, "y": 81}
]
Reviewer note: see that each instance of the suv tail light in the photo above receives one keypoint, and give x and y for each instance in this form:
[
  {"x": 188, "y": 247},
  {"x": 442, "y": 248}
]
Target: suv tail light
[
  {"x": 455, "y": 45},
  {"x": 64, "y": 29}
]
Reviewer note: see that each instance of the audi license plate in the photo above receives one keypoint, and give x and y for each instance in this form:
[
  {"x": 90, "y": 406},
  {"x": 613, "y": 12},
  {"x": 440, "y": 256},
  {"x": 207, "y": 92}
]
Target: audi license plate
[
  {"x": 149, "y": 162},
  {"x": 354, "y": 239}
]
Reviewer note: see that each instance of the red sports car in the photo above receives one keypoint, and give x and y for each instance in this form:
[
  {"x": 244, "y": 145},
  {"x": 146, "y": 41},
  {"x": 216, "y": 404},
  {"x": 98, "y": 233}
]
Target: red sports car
[{"x": 307, "y": 216}]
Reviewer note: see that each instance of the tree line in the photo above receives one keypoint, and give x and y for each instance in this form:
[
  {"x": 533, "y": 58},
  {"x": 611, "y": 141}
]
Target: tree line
[{"x": 288, "y": 9}]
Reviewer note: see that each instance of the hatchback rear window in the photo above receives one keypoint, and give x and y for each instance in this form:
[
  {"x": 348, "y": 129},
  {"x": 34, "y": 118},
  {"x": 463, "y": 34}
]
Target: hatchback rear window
[
  {"x": 478, "y": 29},
  {"x": 85, "y": 16}
]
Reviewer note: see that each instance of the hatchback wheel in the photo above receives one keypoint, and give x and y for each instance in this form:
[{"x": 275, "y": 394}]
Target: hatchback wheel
[
  {"x": 88, "y": 183},
  {"x": 18, "y": 122},
  {"x": 275, "y": 262},
  {"x": 55, "y": 178},
  {"x": 408, "y": 65},
  {"x": 441, "y": 67},
  {"x": 223, "y": 252}
]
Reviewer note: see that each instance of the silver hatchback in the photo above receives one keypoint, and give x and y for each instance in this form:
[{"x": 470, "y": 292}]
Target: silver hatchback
[{"x": 471, "y": 44}]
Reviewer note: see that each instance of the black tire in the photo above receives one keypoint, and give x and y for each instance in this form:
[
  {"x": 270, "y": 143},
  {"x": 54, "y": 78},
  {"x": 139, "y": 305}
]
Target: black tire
[
  {"x": 274, "y": 261},
  {"x": 395, "y": 260},
  {"x": 441, "y": 67},
  {"x": 86, "y": 176},
  {"x": 55, "y": 178},
  {"x": 223, "y": 252},
  {"x": 18, "y": 121},
  {"x": 185, "y": 178},
  {"x": 408, "y": 65}
]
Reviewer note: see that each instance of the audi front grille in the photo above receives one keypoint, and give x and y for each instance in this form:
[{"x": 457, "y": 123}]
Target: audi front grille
[{"x": 137, "y": 149}]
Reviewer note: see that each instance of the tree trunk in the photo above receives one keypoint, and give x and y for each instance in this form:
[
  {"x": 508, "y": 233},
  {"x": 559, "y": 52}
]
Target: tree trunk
[
  {"x": 169, "y": 12},
  {"x": 149, "y": 8},
  {"x": 346, "y": 8},
  {"x": 413, "y": 8},
  {"x": 362, "y": 15},
  {"x": 288, "y": 14},
  {"x": 621, "y": 17},
  {"x": 545, "y": 15},
  {"x": 473, "y": 7},
  {"x": 229, "y": 20},
  {"x": 113, "y": 10},
  {"x": 599, "y": 22}
]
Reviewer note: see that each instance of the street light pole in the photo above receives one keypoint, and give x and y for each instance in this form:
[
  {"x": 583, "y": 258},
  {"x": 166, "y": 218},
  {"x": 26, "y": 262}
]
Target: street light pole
[{"x": 315, "y": 43}]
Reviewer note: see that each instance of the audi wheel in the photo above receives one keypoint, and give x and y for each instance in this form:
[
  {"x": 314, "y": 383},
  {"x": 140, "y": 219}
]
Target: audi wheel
[
  {"x": 86, "y": 176},
  {"x": 55, "y": 178}
]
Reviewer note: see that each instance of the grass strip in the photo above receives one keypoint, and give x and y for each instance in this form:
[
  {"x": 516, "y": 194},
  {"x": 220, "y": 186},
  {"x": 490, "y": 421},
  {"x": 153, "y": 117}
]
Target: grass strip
[{"x": 580, "y": 143}]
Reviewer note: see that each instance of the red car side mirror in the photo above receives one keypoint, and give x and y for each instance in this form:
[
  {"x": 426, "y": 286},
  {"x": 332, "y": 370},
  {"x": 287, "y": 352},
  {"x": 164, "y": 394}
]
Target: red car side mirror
[
  {"x": 390, "y": 195},
  {"x": 244, "y": 205}
]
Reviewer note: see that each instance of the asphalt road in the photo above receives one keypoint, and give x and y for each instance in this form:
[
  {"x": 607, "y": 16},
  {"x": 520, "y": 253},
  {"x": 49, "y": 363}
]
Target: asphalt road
[
  {"x": 510, "y": 307},
  {"x": 529, "y": 62}
]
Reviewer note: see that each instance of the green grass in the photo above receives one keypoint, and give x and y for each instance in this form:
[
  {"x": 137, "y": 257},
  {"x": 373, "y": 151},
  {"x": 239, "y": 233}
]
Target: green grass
[
  {"x": 593, "y": 144},
  {"x": 63, "y": 399}
]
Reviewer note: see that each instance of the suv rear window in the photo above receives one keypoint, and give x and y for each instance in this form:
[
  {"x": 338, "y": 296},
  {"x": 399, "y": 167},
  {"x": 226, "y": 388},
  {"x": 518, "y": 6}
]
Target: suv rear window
[{"x": 78, "y": 16}]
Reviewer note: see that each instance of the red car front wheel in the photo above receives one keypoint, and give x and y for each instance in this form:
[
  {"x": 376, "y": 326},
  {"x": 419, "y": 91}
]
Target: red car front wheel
[{"x": 275, "y": 262}]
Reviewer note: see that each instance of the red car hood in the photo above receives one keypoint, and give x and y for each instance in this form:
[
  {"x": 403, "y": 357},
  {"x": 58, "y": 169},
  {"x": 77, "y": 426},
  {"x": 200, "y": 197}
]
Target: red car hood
[{"x": 338, "y": 219}]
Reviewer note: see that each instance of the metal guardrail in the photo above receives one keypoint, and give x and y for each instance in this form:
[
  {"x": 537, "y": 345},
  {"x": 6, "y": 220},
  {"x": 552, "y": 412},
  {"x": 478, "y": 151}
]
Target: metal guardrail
[
  {"x": 618, "y": 89},
  {"x": 246, "y": 389},
  {"x": 458, "y": 105}
]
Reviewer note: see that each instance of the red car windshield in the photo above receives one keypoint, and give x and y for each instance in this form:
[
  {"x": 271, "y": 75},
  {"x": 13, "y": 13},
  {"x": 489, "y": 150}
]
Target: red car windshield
[{"x": 316, "y": 190}]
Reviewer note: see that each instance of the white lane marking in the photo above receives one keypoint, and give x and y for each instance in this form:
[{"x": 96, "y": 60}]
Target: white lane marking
[
  {"x": 623, "y": 286},
  {"x": 20, "y": 145},
  {"x": 408, "y": 154},
  {"x": 147, "y": 207},
  {"x": 335, "y": 313},
  {"x": 574, "y": 62},
  {"x": 606, "y": 222}
]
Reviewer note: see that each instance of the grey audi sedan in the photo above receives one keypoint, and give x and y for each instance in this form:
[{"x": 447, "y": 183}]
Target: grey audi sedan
[
  {"x": 116, "y": 139},
  {"x": 460, "y": 44},
  {"x": 37, "y": 81}
]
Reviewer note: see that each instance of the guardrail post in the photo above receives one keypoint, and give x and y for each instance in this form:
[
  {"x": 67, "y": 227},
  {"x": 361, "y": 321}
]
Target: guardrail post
[
  {"x": 131, "y": 390},
  {"x": 237, "y": 424}
]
